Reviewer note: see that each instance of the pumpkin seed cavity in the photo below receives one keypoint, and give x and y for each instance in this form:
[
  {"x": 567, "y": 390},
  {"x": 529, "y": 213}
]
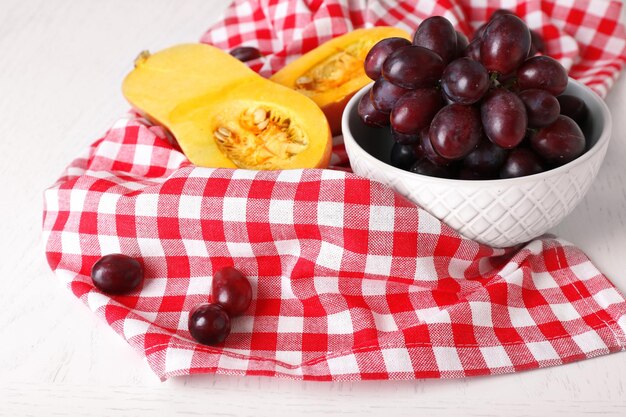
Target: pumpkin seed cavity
[
  {"x": 261, "y": 138},
  {"x": 335, "y": 70}
]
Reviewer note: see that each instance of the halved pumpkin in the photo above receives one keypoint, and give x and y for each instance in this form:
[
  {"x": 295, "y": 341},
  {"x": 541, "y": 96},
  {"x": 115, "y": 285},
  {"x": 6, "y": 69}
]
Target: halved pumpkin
[
  {"x": 333, "y": 72},
  {"x": 223, "y": 114}
]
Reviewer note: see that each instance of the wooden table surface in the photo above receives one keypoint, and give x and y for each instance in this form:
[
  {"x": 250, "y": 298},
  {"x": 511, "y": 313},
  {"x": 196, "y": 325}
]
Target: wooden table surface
[{"x": 61, "y": 65}]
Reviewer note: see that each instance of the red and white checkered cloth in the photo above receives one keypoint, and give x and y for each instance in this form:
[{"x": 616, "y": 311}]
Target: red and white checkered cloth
[
  {"x": 351, "y": 281},
  {"x": 585, "y": 35}
]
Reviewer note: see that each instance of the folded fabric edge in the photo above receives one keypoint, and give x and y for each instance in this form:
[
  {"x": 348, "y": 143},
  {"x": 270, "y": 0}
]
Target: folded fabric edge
[
  {"x": 177, "y": 359},
  {"x": 345, "y": 367}
]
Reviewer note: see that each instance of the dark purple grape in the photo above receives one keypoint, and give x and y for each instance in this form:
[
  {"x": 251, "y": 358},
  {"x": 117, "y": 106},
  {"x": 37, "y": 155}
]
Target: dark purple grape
[
  {"x": 231, "y": 290},
  {"x": 574, "y": 108},
  {"x": 425, "y": 167},
  {"x": 428, "y": 150},
  {"x": 521, "y": 162},
  {"x": 437, "y": 34},
  {"x": 379, "y": 52},
  {"x": 465, "y": 81},
  {"x": 486, "y": 159},
  {"x": 544, "y": 73},
  {"x": 455, "y": 131},
  {"x": 415, "y": 110},
  {"x": 413, "y": 67},
  {"x": 504, "y": 118},
  {"x": 369, "y": 114},
  {"x": 537, "y": 45},
  {"x": 117, "y": 274},
  {"x": 403, "y": 156},
  {"x": 404, "y": 138},
  {"x": 209, "y": 324},
  {"x": 461, "y": 44},
  {"x": 473, "y": 50},
  {"x": 542, "y": 108},
  {"x": 385, "y": 94},
  {"x": 505, "y": 44},
  {"x": 559, "y": 143},
  {"x": 467, "y": 174},
  {"x": 246, "y": 53}
]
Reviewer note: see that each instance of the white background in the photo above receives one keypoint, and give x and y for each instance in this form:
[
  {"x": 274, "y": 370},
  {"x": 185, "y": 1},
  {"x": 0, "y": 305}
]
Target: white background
[{"x": 61, "y": 65}]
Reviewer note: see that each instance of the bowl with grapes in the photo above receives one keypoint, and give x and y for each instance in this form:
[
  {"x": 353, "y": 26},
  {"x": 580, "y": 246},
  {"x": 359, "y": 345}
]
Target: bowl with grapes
[{"x": 497, "y": 210}]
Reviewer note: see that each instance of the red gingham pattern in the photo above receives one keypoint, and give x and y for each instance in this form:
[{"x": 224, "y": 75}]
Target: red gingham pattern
[
  {"x": 350, "y": 280},
  {"x": 584, "y": 35}
]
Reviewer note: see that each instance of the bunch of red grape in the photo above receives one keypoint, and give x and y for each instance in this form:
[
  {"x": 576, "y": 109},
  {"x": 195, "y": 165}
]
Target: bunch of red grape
[{"x": 486, "y": 109}]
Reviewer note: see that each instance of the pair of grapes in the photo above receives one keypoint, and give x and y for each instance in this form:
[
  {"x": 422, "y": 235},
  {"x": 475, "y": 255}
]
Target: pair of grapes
[
  {"x": 484, "y": 109},
  {"x": 209, "y": 323}
]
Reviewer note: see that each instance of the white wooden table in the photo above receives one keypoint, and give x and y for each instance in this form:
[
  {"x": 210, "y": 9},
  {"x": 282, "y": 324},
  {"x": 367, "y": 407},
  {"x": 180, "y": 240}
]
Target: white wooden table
[{"x": 61, "y": 65}]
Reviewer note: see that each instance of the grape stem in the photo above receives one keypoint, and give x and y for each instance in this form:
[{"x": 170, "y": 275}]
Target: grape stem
[{"x": 493, "y": 77}]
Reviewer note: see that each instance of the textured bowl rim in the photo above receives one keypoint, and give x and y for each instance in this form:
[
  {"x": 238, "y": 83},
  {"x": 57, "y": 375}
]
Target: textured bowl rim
[{"x": 597, "y": 147}]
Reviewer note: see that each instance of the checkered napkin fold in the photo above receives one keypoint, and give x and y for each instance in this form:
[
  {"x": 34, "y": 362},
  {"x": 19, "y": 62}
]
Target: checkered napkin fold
[{"x": 351, "y": 281}]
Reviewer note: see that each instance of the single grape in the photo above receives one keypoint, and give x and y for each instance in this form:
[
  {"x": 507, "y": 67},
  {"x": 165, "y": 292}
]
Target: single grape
[
  {"x": 465, "y": 81},
  {"x": 542, "y": 108},
  {"x": 521, "y": 162},
  {"x": 574, "y": 108},
  {"x": 455, "y": 131},
  {"x": 428, "y": 150},
  {"x": 209, "y": 324},
  {"x": 437, "y": 34},
  {"x": 385, "y": 94},
  {"x": 486, "y": 159},
  {"x": 403, "y": 156},
  {"x": 231, "y": 290},
  {"x": 504, "y": 118},
  {"x": 505, "y": 44},
  {"x": 544, "y": 73},
  {"x": 473, "y": 49},
  {"x": 461, "y": 44},
  {"x": 117, "y": 274},
  {"x": 404, "y": 138},
  {"x": 246, "y": 53},
  {"x": 425, "y": 167},
  {"x": 415, "y": 110},
  {"x": 369, "y": 114},
  {"x": 379, "y": 52},
  {"x": 559, "y": 143},
  {"x": 537, "y": 44},
  {"x": 413, "y": 67}
]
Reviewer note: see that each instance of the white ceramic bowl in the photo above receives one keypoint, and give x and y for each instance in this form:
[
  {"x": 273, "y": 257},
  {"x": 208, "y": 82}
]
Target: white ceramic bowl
[{"x": 499, "y": 213}]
